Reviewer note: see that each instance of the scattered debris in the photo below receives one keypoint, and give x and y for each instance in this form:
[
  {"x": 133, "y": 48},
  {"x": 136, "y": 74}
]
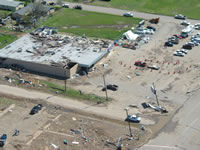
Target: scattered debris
[
  {"x": 75, "y": 131},
  {"x": 86, "y": 139},
  {"x": 74, "y": 142},
  {"x": 142, "y": 128},
  {"x": 73, "y": 118},
  {"x": 54, "y": 146},
  {"x": 145, "y": 105},
  {"x": 134, "y": 106},
  {"x": 16, "y": 133},
  {"x": 129, "y": 77},
  {"x": 65, "y": 142}
]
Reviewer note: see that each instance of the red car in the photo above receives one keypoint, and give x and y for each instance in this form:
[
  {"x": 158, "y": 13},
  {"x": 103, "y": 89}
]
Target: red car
[
  {"x": 178, "y": 36},
  {"x": 140, "y": 64}
]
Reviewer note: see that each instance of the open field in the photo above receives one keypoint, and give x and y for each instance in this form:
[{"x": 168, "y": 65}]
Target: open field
[
  {"x": 165, "y": 7},
  {"x": 6, "y": 39},
  {"x": 4, "y": 13},
  {"x": 84, "y": 22}
]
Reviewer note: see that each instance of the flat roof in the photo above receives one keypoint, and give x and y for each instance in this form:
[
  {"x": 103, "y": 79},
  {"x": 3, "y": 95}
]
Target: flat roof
[
  {"x": 80, "y": 50},
  {"x": 10, "y": 3}
]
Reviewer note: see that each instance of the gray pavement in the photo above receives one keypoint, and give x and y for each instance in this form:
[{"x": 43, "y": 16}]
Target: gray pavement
[{"x": 183, "y": 131}]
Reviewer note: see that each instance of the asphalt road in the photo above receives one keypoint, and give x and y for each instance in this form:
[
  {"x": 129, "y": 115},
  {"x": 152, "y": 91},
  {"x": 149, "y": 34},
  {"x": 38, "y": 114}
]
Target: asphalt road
[
  {"x": 183, "y": 131},
  {"x": 120, "y": 12}
]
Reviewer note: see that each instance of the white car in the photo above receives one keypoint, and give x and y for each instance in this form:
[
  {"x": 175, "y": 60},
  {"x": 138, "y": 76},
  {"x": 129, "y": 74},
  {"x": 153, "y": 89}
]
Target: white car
[
  {"x": 185, "y": 23},
  {"x": 128, "y": 14},
  {"x": 179, "y": 54},
  {"x": 184, "y": 51},
  {"x": 65, "y": 5},
  {"x": 197, "y": 26},
  {"x": 180, "y": 16},
  {"x": 133, "y": 118}
]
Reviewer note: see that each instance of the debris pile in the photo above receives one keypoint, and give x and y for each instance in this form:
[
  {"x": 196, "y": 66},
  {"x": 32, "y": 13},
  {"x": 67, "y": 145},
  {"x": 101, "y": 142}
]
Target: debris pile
[{"x": 133, "y": 40}]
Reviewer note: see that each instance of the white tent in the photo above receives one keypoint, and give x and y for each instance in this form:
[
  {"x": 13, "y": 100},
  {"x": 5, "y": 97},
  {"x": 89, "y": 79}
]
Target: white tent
[{"x": 130, "y": 35}]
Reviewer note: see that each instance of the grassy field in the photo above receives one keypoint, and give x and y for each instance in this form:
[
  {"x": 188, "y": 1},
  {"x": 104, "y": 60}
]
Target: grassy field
[
  {"x": 190, "y": 8},
  {"x": 72, "y": 93},
  {"x": 4, "y": 103},
  {"x": 4, "y": 13},
  {"x": 91, "y": 24},
  {"x": 6, "y": 39}
]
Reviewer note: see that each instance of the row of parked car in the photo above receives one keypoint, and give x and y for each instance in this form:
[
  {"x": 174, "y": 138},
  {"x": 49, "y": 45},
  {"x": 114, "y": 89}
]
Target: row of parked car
[
  {"x": 65, "y": 5},
  {"x": 194, "y": 41},
  {"x": 173, "y": 40}
]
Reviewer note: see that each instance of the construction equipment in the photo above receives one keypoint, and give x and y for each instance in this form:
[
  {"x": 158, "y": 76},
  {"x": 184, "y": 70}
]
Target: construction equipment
[{"x": 154, "y": 20}]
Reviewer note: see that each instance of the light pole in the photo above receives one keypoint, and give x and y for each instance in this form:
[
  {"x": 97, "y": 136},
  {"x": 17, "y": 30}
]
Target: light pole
[
  {"x": 128, "y": 122},
  {"x": 104, "y": 81}
]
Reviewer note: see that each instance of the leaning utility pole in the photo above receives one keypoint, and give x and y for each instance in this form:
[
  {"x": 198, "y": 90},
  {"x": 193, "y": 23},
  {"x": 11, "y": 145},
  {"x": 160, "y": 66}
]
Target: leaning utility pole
[
  {"x": 128, "y": 122},
  {"x": 105, "y": 87},
  {"x": 153, "y": 89}
]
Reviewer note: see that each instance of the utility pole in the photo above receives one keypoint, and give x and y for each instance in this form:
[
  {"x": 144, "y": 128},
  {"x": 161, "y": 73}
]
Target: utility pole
[
  {"x": 105, "y": 87},
  {"x": 65, "y": 80},
  {"x": 156, "y": 95},
  {"x": 128, "y": 122}
]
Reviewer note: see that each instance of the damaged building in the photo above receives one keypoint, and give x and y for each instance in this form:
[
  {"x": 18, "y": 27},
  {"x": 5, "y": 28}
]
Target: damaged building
[{"x": 45, "y": 52}]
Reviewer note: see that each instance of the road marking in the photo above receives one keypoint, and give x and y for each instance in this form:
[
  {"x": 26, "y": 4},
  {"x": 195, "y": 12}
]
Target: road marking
[
  {"x": 58, "y": 133},
  {"x": 57, "y": 117},
  {"x": 160, "y": 146},
  {"x": 37, "y": 133}
]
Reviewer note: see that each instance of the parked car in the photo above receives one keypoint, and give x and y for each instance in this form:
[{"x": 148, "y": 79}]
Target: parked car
[
  {"x": 3, "y": 139},
  {"x": 133, "y": 118},
  {"x": 179, "y": 54},
  {"x": 152, "y": 28},
  {"x": 112, "y": 87},
  {"x": 184, "y": 35},
  {"x": 65, "y": 5},
  {"x": 190, "y": 43},
  {"x": 177, "y": 36},
  {"x": 184, "y": 51},
  {"x": 185, "y": 23},
  {"x": 197, "y": 26},
  {"x": 128, "y": 14},
  {"x": 173, "y": 40},
  {"x": 168, "y": 44},
  {"x": 180, "y": 16},
  {"x": 187, "y": 46},
  {"x": 78, "y": 7},
  {"x": 36, "y": 109},
  {"x": 140, "y": 64}
]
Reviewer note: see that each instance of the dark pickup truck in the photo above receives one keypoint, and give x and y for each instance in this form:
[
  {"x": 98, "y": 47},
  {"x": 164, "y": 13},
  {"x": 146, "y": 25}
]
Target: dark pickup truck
[{"x": 3, "y": 139}]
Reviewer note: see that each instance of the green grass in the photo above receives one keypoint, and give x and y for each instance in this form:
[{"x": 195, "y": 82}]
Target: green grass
[
  {"x": 4, "y": 13},
  {"x": 6, "y": 39},
  {"x": 72, "y": 93},
  {"x": 5, "y": 102},
  {"x": 91, "y": 24},
  {"x": 190, "y": 8}
]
